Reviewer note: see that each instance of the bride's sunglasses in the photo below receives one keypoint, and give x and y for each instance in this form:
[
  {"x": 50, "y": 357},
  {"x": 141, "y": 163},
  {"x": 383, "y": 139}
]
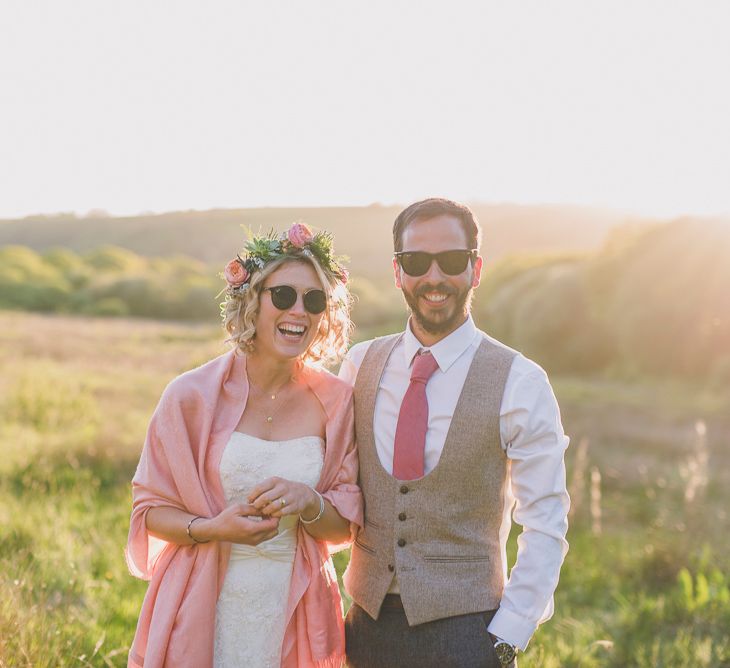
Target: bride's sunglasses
[
  {"x": 285, "y": 296},
  {"x": 451, "y": 262}
]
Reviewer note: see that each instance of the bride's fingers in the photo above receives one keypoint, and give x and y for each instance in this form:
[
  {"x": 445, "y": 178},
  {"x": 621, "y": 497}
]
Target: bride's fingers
[
  {"x": 279, "y": 506},
  {"x": 247, "y": 510},
  {"x": 292, "y": 501},
  {"x": 268, "y": 524},
  {"x": 269, "y": 500},
  {"x": 264, "y": 488},
  {"x": 252, "y": 532}
]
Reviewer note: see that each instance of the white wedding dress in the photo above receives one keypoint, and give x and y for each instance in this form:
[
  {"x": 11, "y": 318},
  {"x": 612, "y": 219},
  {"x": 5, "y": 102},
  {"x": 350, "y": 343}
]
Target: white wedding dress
[{"x": 251, "y": 609}]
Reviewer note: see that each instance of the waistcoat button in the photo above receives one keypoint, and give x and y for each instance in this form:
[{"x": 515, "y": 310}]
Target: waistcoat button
[
  {"x": 401, "y": 542},
  {"x": 402, "y": 517},
  {"x": 391, "y": 568},
  {"x": 404, "y": 489}
]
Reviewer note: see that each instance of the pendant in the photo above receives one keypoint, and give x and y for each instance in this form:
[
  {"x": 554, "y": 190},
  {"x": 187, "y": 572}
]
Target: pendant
[{"x": 270, "y": 418}]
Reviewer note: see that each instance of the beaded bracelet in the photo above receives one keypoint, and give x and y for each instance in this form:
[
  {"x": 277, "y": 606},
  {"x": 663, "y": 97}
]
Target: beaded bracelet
[
  {"x": 193, "y": 538},
  {"x": 319, "y": 514}
]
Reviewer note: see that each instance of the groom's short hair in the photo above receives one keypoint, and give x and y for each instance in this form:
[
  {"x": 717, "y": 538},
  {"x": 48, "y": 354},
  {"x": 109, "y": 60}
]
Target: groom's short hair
[{"x": 432, "y": 207}]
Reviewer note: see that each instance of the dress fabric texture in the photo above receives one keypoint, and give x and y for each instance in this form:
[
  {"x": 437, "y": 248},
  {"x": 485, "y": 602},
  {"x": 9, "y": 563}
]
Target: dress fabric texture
[
  {"x": 251, "y": 608},
  {"x": 180, "y": 468}
]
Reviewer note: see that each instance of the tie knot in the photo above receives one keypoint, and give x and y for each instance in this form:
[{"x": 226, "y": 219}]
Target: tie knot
[{"x": 424, "y": 365}]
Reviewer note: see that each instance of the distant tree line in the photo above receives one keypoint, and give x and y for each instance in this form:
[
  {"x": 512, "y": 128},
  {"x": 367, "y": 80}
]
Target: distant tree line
[
  {"x": 108, "y": 281},
  {"x": 652, "y": 300}
]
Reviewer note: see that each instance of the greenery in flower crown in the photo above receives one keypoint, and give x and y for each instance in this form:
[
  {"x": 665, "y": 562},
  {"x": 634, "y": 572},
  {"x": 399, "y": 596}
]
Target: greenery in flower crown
[
  {"x": 263, "y": 249},
  {"x": 297, "y": 240}
]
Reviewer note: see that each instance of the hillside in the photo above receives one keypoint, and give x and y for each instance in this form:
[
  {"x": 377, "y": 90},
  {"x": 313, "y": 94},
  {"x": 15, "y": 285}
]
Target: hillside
[
  {"x": 362, "y": 233},
  {"x": 653, "y": 300}
]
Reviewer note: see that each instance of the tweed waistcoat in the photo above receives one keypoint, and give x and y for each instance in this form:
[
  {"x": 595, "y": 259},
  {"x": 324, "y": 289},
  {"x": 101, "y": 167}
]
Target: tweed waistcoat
[{"x": 440, "y": 533}]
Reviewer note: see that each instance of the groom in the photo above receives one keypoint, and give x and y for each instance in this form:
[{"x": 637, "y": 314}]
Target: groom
[{"x": 455, "y": 432}]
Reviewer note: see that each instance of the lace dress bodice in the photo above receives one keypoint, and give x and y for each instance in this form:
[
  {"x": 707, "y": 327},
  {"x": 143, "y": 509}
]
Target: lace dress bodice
[{"x": 251, "y": 609}]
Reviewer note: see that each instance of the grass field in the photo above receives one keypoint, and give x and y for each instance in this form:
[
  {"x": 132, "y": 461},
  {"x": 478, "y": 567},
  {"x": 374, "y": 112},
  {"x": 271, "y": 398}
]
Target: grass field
[{"x": 646, "y": 582}]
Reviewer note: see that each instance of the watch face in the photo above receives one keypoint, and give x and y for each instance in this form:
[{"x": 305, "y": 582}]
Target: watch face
[{"x": 505, "y": 653}]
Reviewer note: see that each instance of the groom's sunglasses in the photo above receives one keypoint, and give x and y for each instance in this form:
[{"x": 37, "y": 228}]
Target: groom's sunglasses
[
  {"x": 285, "y": 296},
  {"x": 451, "y": 262}
]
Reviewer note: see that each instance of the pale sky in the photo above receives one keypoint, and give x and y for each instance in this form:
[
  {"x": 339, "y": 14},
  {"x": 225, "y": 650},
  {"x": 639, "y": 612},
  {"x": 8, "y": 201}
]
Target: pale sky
[{"x": 148, "y": 105}]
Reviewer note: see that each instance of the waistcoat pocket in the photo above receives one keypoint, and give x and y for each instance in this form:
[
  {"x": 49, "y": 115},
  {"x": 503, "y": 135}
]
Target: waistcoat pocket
[{"x": 364, "y": 547}]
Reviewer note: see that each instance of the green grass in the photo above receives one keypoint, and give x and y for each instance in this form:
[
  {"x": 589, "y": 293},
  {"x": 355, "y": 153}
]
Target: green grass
[{"x": 651, "y": 589}]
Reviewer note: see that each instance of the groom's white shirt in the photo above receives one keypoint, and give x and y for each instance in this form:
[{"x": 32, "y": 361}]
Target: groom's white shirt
[{"x": 533, "y": 439}]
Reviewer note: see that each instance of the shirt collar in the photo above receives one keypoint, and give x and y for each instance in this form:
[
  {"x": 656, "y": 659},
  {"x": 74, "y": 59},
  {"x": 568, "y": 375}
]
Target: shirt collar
[{"x": 447, "y": 350}]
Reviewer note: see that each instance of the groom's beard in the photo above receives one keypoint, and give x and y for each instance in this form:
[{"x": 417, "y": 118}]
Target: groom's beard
[{"x": 447, "y": 320}]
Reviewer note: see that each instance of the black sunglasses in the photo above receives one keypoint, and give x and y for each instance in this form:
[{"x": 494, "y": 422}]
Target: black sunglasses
[
  {"x": 451, "y": 262},
  {"x": 285, "y": 296}
]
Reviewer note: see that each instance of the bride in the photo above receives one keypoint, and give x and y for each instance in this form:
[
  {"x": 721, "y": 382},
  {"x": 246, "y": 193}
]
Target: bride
[{"x": 247, "y": 474}]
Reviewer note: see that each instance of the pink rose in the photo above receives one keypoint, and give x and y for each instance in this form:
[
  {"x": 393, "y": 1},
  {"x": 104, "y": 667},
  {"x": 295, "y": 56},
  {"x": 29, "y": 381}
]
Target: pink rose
[
  {"x": 300, "y": 235},
  {"x": 235, "y": 273}
]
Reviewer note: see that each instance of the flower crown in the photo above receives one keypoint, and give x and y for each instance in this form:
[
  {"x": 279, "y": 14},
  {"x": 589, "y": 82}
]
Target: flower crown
[{"x": 297, "y": 240}]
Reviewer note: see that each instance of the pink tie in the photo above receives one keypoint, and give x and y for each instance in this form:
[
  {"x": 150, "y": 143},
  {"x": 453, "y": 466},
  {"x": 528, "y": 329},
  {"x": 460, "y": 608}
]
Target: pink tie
[{"x": 410, "y": 433}]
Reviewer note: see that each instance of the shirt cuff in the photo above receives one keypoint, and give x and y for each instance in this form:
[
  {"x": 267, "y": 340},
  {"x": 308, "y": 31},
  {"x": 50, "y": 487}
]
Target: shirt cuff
[{"x": 514, "y": 629}]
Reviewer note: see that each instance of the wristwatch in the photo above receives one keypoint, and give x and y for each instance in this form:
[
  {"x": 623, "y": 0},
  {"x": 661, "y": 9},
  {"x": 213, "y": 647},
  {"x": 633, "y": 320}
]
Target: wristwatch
[{"x": 505, "y": 652}]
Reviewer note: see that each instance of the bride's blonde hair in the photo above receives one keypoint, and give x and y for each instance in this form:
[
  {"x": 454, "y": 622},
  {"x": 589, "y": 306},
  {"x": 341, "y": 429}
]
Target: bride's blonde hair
[{"x": 240, "y": 310}]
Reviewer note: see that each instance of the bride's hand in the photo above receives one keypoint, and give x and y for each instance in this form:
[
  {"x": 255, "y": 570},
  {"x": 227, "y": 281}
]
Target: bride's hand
[
  {"x": 277, "y": 497},
  {"x": 234, "y": 525}
]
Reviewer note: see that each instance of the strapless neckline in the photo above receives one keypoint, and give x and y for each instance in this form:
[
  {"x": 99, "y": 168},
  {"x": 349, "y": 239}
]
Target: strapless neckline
[{"x": 243, "y": 434}]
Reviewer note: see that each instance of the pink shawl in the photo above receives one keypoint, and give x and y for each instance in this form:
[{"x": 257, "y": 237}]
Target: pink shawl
[{"x": 179, "y": 467}]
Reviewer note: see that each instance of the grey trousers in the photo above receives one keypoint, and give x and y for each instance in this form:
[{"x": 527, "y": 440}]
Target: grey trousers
[{"x": 388, "y": 642}]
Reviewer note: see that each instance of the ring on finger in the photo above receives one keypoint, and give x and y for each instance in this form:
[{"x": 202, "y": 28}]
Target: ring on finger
[{"x": 282, "y": 501}]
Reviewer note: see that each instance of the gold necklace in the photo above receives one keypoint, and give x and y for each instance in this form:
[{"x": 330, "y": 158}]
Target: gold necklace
[{"x": 269, "y": 415}]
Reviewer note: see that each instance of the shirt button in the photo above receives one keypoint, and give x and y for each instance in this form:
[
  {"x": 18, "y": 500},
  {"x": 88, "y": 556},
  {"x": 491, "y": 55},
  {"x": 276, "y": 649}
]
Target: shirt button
[
  {"x": 402, "y": 517},
  {"x": 404, "y": 489},
  {"x": 401, "y": 542},
  {"x": 391, "y": 568}
]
